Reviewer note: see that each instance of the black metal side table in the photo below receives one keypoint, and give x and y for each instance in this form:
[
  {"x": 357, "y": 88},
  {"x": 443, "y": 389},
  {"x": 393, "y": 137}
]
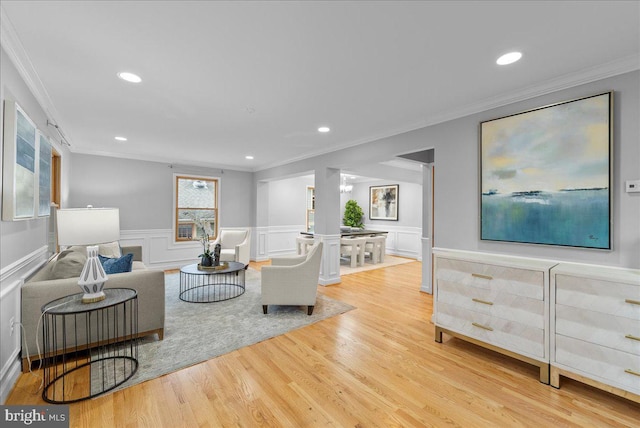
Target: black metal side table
[{"x": 89, "y": 348}]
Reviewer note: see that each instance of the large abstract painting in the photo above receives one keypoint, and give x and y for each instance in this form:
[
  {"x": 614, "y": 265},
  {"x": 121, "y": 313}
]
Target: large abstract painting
[
  {"x": 26, "y": 168},
  {"x": 383, "y": 202},
  {"x": 546, "y": 175}
]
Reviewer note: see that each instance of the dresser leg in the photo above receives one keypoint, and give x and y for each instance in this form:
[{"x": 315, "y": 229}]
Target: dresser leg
[
  {"x": 544, "y": 373},
  {"x": 555, "y": 377},
  {"x": 438, "y": 334}
]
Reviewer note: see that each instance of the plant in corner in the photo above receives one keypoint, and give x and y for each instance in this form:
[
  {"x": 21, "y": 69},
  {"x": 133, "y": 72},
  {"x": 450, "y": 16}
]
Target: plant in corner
[{"x": 353, "y": 214}]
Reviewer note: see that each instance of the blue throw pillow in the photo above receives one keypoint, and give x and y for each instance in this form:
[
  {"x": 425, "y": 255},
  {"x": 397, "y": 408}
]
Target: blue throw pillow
[{"x": 119, "y": 265}]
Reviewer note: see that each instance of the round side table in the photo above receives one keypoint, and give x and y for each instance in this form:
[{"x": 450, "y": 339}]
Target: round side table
[{"x": 89, "y": 348}]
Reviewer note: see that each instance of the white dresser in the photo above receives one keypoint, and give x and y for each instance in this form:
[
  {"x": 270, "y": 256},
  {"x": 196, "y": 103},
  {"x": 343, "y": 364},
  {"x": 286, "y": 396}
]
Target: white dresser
[
  {"x": 495, "y": 301},
  {"x": 595, "y": 327}
]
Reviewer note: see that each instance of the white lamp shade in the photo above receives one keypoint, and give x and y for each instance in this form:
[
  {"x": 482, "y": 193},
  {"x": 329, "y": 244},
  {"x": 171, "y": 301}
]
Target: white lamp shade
[{"x": 87, "y": 226}]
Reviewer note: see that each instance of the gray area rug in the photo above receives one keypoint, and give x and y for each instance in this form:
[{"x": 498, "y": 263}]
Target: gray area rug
[{"x": 196, "y": 332}]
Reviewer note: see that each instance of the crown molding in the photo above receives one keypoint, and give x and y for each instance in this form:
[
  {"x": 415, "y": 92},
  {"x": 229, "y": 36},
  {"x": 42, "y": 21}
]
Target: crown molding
[
  {"x": 173, "y": 162},
  {"x": 592, "y": 74},
  {"x": 12, "y": 45},
  {"x": 571, "y": 80},
  {"x": 10, "y": 41}
]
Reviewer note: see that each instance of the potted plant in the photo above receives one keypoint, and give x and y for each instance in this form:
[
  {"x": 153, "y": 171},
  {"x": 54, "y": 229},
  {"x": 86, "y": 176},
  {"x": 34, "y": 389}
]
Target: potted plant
[
  {"x": 205, "y": 231},
  {"x": 353, "y": 214}
]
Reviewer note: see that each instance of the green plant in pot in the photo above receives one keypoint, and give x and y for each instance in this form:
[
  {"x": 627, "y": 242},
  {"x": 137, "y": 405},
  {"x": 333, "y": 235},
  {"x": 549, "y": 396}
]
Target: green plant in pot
[{"x": 353, "y": 214}]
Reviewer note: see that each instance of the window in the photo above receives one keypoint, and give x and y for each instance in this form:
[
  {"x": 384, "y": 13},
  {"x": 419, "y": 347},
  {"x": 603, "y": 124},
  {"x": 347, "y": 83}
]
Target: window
[
  {"x": 196, "y": 204},
  {"x": 311, "y": 208}
]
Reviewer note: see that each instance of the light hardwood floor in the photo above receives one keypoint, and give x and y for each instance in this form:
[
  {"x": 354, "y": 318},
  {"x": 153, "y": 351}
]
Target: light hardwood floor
[{"x": 377, "y": 365}]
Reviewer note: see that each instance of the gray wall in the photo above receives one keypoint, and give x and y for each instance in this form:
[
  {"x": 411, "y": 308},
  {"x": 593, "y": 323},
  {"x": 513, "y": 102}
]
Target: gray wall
[
  {"x": 20, "y": 238},
  {"x": 288, "y": 201},
  {"x": 144, "y": 190},
  {"x": 409, "y": 209},
  {"x": 456, "y": 173},
  {"x": 23, "y": 244}
]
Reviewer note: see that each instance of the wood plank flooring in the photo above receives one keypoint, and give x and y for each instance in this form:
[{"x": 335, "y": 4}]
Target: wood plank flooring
[{"x": 375, "y": 366}]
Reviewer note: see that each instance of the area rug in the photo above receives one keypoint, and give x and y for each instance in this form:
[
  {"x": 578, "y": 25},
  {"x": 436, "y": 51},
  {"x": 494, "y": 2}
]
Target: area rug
[
  {"x": 197, "y": 332},
  {"x": 346, "y": 269}
]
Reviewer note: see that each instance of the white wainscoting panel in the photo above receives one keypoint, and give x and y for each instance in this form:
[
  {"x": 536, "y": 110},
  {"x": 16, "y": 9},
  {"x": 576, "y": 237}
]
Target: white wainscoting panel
[
  {"x": 282, "y": 240},
  {"x": 259, "y": 244},
  {"x": 159, "y": 251},
  {"x": 427, "y": 267},
  {"x": 330, "y": 265},
  {"x": 11, "y": 279},
  {"x": 402, "y": 241}
]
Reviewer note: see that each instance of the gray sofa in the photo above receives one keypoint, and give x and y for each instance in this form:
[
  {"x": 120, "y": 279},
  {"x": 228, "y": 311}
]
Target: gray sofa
[{"x": 42, "y": 288}]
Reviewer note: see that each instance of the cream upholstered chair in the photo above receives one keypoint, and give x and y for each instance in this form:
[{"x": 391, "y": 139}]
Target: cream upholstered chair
[
  {"x": 235, "y": 245},
  {"x": 375, "y": 246},
  {"x": 292, "y": 280},
  {"x": 354, "y": 249},
  {"x": 303, "y": 243}
]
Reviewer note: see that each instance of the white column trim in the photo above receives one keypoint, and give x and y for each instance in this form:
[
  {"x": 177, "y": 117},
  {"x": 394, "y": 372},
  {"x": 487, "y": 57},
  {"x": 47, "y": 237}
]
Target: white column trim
[
  {"x": 427, "y": 268},
  {"x": 330, "y": 266}
]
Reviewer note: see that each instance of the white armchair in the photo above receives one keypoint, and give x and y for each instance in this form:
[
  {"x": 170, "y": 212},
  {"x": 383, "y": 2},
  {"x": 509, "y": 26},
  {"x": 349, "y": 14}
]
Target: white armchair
[
  {"x": 292, "y": 280},
  {"x": 235, "y": 245}
]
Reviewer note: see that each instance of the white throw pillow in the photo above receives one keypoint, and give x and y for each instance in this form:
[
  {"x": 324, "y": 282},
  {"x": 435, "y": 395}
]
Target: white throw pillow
[{"x": 111, "y": 250}]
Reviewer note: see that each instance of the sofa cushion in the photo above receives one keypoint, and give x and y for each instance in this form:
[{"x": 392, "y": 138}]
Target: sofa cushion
[
  {"x": 119, "y": 265},
  {"x": 138, "y": 266},
  {"x": 110, "y": 249},
  {"x": 69, "y": 264}
]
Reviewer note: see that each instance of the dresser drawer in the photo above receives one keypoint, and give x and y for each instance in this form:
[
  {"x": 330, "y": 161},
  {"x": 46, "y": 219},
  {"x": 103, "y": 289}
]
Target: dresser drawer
[
  {"x": 514, "y": 336},
  {"x": 613, "y": 298},
  {"x": 617, "y": 368},
  {"x": 507, "y": 306},
  {"x": 611, "y": 331},
  {"x": 503, "y": 279}
]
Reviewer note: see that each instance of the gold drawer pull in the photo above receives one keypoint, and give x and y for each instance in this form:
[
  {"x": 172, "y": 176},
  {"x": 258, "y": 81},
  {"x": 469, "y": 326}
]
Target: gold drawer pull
[
  {"x": 633, "y": 302},
  {"x": 481, "y": 326},
  {"x": 484, "y": 302},
  {"x": 477, "y": 275},
  {"x": 633, "y": 372},
  {"x": 632, "y": 337}
]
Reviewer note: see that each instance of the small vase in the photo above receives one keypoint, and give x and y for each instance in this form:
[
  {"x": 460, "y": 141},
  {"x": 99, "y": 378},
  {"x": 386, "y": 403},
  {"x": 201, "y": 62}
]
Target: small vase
[{"x": 206, "y": 261}]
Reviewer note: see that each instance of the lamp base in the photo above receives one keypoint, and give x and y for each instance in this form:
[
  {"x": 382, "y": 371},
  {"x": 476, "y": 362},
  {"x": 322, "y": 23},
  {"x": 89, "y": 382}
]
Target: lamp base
[{"x": 93, "y": 297}]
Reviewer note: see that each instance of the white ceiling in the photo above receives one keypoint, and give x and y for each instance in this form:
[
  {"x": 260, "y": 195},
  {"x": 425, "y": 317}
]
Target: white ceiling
[{"x": 222, "y": 80}]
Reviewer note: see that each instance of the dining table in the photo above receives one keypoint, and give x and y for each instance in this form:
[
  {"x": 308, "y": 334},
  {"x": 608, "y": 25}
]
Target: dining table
[{"x": 352, "y": 233}]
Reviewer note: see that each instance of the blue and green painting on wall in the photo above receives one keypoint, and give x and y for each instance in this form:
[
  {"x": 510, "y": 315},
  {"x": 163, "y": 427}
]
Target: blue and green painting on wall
[{"x": 545, "y": 175}]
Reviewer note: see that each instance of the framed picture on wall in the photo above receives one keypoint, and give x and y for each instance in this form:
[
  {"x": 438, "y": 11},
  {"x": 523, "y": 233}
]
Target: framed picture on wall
[
  {"x": 383, "y": 202},
  {"x": 20, "y": 163},
  {"x": 546, "y": 175}
]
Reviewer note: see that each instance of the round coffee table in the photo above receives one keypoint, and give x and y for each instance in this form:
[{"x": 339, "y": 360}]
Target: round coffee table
[{"x": 206, "y": 286}]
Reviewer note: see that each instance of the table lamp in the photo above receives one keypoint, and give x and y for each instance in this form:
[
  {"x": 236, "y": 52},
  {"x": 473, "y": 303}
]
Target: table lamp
[{"x": 89, "y": 226}]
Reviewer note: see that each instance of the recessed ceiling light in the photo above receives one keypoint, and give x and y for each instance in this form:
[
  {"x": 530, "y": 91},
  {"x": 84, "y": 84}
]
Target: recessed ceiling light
[
  {"x": 324, "y": 129},
  {"x": 249, "y": 157},
  {"x": 129, "y": 77},
  {"x": 509, "y": 58},
  {"x": 121, "y": 139}
]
